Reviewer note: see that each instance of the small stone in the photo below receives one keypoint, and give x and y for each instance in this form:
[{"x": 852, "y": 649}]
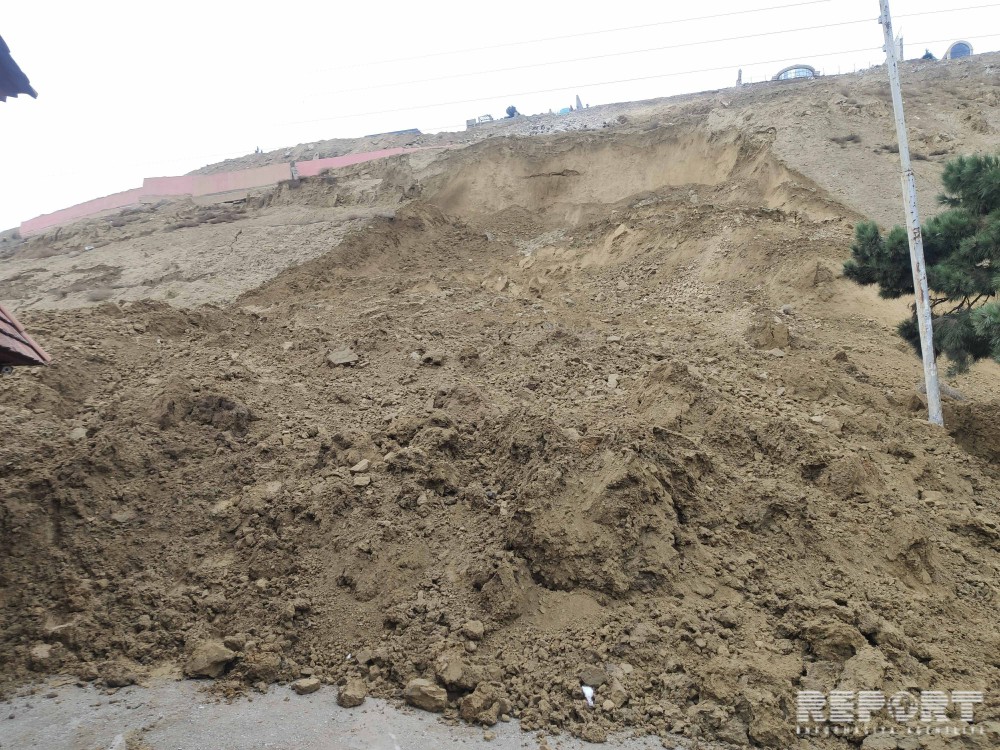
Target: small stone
[
  {"x": 474, "y": 630},
  {"x": 353, "y": 694},
  {"x": 489, "y": 736},
  {"x": 123, "y": 516},
  {"x": 435, "y": 359},
  {"x": 594, "y": 733},
  {"x": 361, "y": 466},
  {"x": 306, "y": 685},
  {"x": 362, "y": 480},
  {"x": 342, "y": 357},
  {"x": 209, "y": 659},
  {"x": 612, "y": 381},
  {"x": 728, "y": 617},
  {"x": 77, "y": 434},
  {"x": 425, "y": 695},
  {"x": 608, "y": 705},
  {"x": 932, "y": 497}
]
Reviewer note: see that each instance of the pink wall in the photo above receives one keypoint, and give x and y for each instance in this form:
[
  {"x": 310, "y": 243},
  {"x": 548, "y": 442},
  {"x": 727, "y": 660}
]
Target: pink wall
[
  {"x": 114, "y": 202},
  {"x": 198, "y": 185},
  {"x": 222, "y": 182},
  {"x": 314, "y": 167}
]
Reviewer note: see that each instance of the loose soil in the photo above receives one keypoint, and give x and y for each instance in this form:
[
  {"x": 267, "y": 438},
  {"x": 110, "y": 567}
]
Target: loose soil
[{"x": 588, "y": 407}]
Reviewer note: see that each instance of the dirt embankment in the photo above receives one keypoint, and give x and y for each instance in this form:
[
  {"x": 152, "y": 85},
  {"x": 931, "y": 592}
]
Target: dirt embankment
[{"x": 585, "y": 409}]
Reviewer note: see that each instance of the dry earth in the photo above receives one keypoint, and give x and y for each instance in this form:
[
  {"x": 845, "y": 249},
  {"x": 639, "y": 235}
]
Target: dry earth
[{"x": 589, "y": 407}]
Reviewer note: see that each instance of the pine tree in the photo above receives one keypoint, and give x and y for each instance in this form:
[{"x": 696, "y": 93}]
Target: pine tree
[{"x": 962, "y": 253}]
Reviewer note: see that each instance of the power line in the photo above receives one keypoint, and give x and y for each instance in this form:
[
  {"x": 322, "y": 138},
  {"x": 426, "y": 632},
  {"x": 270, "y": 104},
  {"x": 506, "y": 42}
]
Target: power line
[
  {"x": 595, "y": 57},
  {"x": 639, "y": 51},
  {"x": 583, "y": 33},
  {"x": 609, "y": 83},
  {"x": 944, "y": 10}
]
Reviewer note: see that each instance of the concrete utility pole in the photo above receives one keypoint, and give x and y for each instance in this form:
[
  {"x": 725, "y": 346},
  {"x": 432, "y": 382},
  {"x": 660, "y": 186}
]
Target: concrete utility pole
[{"x": 913, "y": 228}]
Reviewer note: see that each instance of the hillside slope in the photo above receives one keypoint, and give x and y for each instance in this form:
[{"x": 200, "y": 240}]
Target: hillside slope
[{"x": 581, "y": 407}]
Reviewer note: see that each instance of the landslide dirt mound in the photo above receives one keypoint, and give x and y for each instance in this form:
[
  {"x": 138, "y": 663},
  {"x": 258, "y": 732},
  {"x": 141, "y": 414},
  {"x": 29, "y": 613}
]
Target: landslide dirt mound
[
  {"x": 573, "y": 178},
  {"x": 537, "y": 429}
]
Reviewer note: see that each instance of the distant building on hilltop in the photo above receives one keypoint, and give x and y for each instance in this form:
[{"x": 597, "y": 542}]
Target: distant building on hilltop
[
  {"x": 793, "y": 72},
  {"x": 481, "y": 120},
  {"x": 957, "y": 50}
]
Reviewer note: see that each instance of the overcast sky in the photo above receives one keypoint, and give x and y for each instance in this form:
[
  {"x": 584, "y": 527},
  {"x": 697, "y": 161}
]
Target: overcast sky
[{"x": 130, "y": 90}]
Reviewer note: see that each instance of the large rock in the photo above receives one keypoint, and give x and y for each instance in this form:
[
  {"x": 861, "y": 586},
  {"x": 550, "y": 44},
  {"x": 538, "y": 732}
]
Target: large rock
[
  {"x": 353, "y": 694},
  {"x": 425, "y": 695},
  {"x": 209, "y": 659}
]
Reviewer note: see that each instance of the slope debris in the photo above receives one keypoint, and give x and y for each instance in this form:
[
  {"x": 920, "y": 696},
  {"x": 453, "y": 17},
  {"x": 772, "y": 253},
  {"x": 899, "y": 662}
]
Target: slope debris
[{"x": 577, "y": 409}]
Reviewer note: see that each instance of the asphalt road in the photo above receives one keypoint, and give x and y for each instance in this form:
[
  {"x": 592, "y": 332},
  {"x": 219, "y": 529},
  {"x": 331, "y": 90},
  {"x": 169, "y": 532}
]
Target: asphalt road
[{"x": 167, "y": 714}]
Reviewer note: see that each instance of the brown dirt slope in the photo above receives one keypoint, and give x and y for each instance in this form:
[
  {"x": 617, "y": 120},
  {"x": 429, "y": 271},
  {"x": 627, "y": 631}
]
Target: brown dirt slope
[{"x": 608, "y": 414}]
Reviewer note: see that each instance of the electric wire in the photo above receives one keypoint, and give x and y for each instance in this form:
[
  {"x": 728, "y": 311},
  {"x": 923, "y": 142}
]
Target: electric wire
[
  {"x": 746, "y": 11},
  {"x": 626, "y": 53}
]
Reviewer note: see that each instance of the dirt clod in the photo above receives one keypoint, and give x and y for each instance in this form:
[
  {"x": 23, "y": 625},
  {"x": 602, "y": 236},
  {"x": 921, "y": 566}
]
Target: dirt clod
[
  {"x": 306, "y": 685},
  {"x": 352, "y": 694},
  {"x": 425, "y": 695},
  {"x": 208, "y": 659}
]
